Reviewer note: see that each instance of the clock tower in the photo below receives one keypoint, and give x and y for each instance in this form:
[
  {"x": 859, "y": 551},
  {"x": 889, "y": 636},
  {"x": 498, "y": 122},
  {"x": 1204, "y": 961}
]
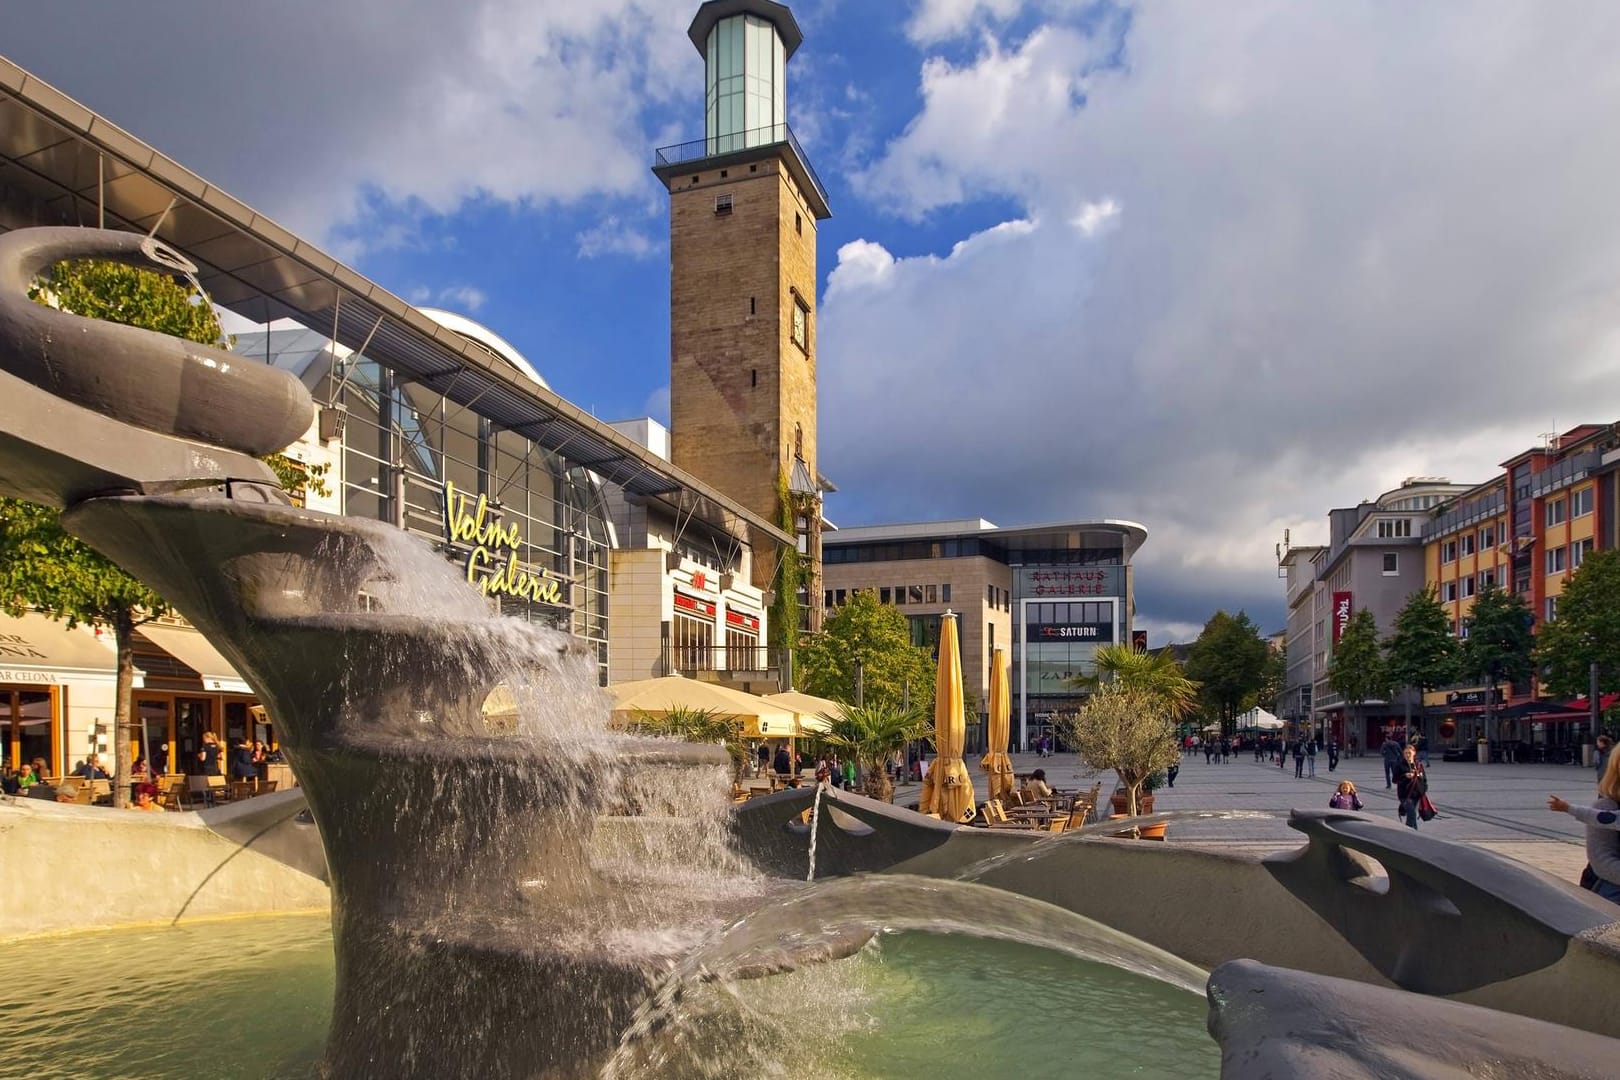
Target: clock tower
[{"x": 744, "y": 205}]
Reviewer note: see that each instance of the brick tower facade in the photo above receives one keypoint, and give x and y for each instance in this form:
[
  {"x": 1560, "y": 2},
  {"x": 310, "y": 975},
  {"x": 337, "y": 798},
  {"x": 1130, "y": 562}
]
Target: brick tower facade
[{"x": 744, "y": 208}]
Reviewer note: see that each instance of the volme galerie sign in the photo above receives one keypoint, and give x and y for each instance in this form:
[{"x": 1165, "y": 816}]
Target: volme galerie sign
[
  {"x": 1342, "y": 610},
  {"x": 492, "y": 564}
]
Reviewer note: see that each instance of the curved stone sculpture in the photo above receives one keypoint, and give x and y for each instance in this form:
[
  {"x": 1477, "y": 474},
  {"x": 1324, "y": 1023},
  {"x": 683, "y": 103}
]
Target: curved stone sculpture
[
  {"x": 151, "y": 381},
  {"x": 1272, "y": 1022}
]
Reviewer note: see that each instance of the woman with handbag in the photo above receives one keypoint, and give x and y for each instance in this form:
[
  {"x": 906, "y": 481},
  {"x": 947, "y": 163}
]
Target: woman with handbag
[
  {"x": 1602, "y": 821},
  {"x": 1411, "y": 785}
]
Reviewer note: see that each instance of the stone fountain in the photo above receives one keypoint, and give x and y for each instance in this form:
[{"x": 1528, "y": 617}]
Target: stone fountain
[{"x": 473, "y": 935}]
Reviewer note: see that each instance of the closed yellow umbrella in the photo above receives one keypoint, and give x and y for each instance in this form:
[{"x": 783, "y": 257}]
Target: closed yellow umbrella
[
  {"x": 996, "y": 762},
  {"x": 948, "y": 790}
]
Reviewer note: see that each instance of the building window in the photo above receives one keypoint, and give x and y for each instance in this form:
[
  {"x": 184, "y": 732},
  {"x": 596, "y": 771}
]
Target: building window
[
  {"x": 885, "y": 596},
  {"x": 798, "y": 223},
  {"x": 827, "y": 599},
  {"x": 1578, "y": 551},
  {"x": 899, "y": 594},
  {"x": 915, "y": 593},
  {"x": 1487, "y": 538},
  {"x": 694, "y": 643},
  {"x": 1556, "y": 560},
  {"x": 1468, "y": 586},
  {"x": 838, "y": 597},
  {"x": 1487, "y": 578},
  {"x": 933, "y": 594},
  {"x": 1468, "y": 545},
  {"x": 801, "y": 324},
  {"x": 1462, "y": 629},
  {"x": 1448, "y": 592},
  {"x": 1552, "y": 608},
  {"x": 1448, "y": 551},
  {"x": 1391, "y": 528},
  {"x": 1392, "y": 563},
  {"x": 945, "y": 593},
  {"x": 722, "y": 203},
  {"x": 1556, "y": 512},
  {"x": 1581, "y": 503},
  {"x": 990, "y": 596}
]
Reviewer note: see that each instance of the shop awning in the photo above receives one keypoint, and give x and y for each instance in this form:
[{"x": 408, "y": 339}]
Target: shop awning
[
  {"x": 37, "y": 649},
  {"x": 193, "y": 650}
]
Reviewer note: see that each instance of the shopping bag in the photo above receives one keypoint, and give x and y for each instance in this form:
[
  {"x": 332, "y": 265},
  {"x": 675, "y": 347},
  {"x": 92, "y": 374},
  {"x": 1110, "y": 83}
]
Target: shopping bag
[{"x": 1426, "y": 809}]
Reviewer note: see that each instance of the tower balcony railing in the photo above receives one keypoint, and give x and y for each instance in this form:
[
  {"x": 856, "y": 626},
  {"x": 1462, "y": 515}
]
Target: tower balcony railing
[{"x": 736, "y": 142}]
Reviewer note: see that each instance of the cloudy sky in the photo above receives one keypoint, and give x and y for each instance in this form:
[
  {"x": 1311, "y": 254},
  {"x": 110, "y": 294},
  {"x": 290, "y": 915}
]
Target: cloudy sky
[{"x": 1210, "y": 267}]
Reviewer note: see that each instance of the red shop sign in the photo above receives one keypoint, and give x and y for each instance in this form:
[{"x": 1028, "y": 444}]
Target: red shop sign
[
  {"x": 737, "y": 618},
  {"x": 693, "y": 604}
]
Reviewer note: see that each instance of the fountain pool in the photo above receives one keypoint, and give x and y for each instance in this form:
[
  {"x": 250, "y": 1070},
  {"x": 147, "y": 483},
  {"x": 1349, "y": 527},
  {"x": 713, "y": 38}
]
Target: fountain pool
[{"x": 253, "y": 998}]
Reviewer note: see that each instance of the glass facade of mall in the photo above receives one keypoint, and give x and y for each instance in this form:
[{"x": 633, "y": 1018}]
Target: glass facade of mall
[{"x": 402, "y": 443}]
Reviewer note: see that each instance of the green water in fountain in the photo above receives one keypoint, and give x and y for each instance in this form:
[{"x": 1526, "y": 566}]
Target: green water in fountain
[{"x": 252, "y": 997}]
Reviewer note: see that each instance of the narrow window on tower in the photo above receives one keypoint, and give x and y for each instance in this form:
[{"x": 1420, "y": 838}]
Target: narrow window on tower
[
  {"x": 798, "y": 223},
  {"x": 751, "y": 309},
  {"x": 801, "y": 324},
  {"x": 753, "y": 376},
  {"x": 722, "y": 203}
]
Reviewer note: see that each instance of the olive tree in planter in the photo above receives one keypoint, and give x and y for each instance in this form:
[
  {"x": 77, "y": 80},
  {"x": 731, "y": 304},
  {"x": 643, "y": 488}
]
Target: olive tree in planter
[{"x": 1127, "y": 730}]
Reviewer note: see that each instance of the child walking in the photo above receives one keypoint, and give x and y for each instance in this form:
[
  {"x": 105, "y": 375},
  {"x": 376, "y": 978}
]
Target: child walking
[{"x": 1345, "y": 798}]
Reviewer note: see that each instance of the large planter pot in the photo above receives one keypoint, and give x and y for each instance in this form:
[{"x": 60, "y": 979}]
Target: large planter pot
[
  {"x": 1144, "y": 832},
  {"x": 1122, "y": 803},
  {"x": 1484, "y": 752}
]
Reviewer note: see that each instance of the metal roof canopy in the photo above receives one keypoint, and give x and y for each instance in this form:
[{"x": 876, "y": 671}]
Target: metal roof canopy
[{"x": 74, "y": 165}]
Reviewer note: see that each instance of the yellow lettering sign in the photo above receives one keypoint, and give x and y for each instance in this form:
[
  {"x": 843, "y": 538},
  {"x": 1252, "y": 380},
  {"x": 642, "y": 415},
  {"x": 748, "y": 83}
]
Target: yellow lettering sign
[{"x": 492, "y": 565}]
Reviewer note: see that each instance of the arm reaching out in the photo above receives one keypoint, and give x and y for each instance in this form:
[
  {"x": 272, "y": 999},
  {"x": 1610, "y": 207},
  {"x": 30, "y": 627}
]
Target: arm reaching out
[{"x": 1586, "y": 815}]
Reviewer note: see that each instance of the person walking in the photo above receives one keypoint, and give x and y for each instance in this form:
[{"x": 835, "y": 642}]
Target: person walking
[
  {"x": 1310, "y": 759},
  {"x": 1299, "y": 759},
  {"x": 1333, "y": 754},
  {"x": 1209, "y": 750},
  {"x": 1600, "y": 760},
  {"x": 1411, "y": 785},
  {"x": 1602, "y": 820},
  {"x": 1392, "y": 759}
]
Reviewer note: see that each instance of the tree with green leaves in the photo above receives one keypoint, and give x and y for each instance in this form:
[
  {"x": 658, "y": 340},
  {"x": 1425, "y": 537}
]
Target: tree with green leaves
[
  {"x": 873, "y": 734},
  {"x": 1586, "y": 631},
  {"x": 1357, "y": 671},
  {"x": 1421, "y": 652},
  {"x": 880, "y": 637},
  {"x": 1130, "y": 731},
  {"x": 1228, "y": 661},
  {"x": 1500, "y": 644},
  {"x": 1273, "y": 678}
]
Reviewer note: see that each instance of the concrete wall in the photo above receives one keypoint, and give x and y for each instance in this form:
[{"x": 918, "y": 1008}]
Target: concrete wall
[{"x": 86, "y": 867}]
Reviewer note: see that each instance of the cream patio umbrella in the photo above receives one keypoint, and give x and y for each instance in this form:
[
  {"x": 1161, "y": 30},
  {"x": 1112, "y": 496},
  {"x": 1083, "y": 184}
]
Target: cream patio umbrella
[
  {"x": 811, "y": 709},
  {"x": 947, "y": 789},
  {"x": 652, "y": 697},
  {"x": 996, "y": 762}
]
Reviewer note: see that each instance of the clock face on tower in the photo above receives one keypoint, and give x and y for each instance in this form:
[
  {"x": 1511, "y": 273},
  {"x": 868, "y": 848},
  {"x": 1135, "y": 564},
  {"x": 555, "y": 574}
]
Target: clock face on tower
[{"x": 800, "y": 336}]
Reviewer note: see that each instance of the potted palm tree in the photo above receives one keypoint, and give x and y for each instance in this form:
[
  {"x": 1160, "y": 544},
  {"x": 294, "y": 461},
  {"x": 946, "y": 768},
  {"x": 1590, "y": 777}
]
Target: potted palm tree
[
  {"x": 872, "y": 735},
  {"x": 698, "y": 726}
]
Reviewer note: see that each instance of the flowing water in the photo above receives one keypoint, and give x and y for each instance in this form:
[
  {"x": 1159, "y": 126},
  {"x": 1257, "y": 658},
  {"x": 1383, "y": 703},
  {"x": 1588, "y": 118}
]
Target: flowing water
[
  {"x": 815, "y": 820},
  {"x": 250, "y": 998}
]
